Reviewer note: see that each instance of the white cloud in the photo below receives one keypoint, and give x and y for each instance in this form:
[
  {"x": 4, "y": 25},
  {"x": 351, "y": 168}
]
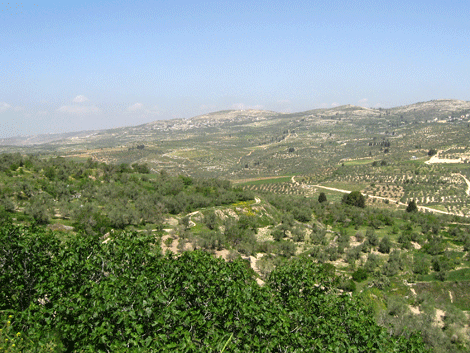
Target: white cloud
[
  {"x": 135, "y": 107},
  {"x": 4, "y": 106},
  {"x": 80, "y": 99},
  {"x": 79, "y": 110},
  {"x": 335, "y": 104}
]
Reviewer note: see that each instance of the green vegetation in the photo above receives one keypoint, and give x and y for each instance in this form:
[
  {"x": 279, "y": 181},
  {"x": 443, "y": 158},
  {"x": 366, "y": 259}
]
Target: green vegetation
[
  {"x": 322, "y": 197},
  {"x": 267, "y": 181},
  {"x": 96, "y": 198},
  {"x": 83, "y": 294},
  {"x": 355, "y": 198},
  {"x": 99, "y": 242},
  {"x": 412, "y": 207}
]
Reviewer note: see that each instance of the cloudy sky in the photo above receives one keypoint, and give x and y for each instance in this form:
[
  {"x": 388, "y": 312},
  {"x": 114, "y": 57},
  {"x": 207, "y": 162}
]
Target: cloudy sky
[{"x": 69, "y": 66}]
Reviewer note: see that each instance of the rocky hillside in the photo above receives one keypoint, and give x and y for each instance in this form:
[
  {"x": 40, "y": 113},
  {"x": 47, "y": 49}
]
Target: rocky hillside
[{"x": 432, "y": 110}]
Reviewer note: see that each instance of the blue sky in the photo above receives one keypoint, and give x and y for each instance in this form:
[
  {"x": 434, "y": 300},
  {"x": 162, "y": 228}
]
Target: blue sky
[{"x": 69, "y": 66}]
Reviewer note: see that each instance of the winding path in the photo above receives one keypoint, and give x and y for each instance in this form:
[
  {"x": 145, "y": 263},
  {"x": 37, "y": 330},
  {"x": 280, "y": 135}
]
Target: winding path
[
  {"x": 247, "y": 155},
  {"x": 437, "y": 160},
  {"x": 468, "y": 183}
]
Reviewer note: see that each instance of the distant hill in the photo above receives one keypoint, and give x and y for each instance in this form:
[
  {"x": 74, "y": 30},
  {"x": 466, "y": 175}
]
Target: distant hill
[
  {"x": 435, "y": 109},
  {"x": 42, "y": 138}
]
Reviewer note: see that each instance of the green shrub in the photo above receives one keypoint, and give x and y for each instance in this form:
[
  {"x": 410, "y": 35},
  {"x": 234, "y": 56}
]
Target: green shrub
[
  {"x": 385, "y": 245},
  {"x": 355, "y": 198},
  {"x": 360, "y": 275},
  {"x": 420, "y": 265},
  {"x": 125, "y": 295},
  {"x": 412, "y": 207}
]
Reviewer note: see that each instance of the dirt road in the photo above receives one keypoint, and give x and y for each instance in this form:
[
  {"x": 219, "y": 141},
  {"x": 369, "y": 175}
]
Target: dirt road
[{"x": 422, "y": 208}]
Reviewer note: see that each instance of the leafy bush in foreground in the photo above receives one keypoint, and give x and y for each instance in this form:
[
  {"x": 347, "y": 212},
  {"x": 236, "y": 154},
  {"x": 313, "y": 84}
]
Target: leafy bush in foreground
[{"x": 125, "y": 295}]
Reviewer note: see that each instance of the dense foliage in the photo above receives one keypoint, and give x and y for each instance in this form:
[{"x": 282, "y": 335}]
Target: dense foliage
[
  {"x": 354, "y": 198},
  {"x": 322, "y": 197},
  {"x": 96, "y": 197},
  {"x": 123, "y": 294},
  {"x": 412, "y": 207},
  {"x": 181, "y": 213}
]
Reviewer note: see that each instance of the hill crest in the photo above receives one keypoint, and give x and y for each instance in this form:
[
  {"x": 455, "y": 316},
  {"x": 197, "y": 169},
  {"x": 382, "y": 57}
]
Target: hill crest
[{"x": 441, "y": 108}]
